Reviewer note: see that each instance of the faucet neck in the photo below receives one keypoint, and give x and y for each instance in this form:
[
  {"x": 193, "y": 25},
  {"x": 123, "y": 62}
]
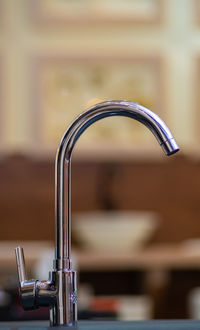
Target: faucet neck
[
  {"x": 63, "y": 162},
  {"x": 63, "y": 211}
]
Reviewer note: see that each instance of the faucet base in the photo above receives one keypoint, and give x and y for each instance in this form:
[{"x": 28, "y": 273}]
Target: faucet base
[{"x": 64, "y": 311}]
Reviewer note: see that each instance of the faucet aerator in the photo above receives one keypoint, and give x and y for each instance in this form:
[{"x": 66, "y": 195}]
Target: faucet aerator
[{"x": 170, "y": 147}]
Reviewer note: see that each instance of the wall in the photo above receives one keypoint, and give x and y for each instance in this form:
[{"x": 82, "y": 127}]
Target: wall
[
  {"x": 170, "y": 187},
  {"x": 29, "y": 32}
]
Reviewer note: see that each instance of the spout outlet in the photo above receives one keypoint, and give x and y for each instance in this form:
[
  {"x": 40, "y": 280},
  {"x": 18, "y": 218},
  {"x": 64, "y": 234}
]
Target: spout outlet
[{"x": 170, "y": 147}]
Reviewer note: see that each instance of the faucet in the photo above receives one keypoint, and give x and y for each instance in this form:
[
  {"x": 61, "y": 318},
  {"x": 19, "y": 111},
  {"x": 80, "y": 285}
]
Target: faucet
[{"x": 59, "y": 292}]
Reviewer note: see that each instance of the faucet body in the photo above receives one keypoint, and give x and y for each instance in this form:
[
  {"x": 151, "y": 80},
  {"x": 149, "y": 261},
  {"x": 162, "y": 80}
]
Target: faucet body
[{"x": 59, "y": 292}]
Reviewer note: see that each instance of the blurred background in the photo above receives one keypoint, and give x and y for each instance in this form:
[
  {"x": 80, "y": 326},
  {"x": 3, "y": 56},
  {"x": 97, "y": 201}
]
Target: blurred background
[{"x": 135, "y": 212}]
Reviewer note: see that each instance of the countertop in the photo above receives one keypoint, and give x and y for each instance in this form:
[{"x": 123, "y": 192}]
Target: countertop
[
  {"x": 110, "y": 325},
  {"x": 155, "y": 257}
]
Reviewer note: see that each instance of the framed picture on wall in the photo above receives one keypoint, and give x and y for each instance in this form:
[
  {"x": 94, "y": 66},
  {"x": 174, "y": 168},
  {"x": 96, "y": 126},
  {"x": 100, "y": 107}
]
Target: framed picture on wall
[
  {"x": 3, "y": 112},
  {"x": 196, "y": 117},
  {"x": 94, "y": 11},
  {"x": 64, "y": 86},
  {"x": 2, "y": 15},
  {"x": 196, "y": 11}
]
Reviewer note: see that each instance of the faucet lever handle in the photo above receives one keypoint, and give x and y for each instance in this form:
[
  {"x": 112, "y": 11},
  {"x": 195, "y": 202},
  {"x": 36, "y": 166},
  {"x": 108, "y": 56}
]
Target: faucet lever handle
[
  {"x": 27, "y": 288},
  {"x": 20, "y": 264}
]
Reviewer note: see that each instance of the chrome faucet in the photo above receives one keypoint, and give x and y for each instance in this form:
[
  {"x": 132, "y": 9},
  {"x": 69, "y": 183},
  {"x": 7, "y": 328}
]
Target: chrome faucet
[{"x": 59, "y": 292}]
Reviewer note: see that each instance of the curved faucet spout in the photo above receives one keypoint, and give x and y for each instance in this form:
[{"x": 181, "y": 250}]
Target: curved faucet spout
[
  {"x": 59, "y": 292},
  {"x": 63, "y": 162}
]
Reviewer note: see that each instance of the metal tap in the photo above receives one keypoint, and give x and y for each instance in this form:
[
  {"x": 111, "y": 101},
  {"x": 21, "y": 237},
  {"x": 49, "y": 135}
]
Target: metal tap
[{"x": 59, "y": 292}]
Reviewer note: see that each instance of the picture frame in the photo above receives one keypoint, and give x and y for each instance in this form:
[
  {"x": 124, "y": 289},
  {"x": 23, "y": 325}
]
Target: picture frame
[
  {"x": 196, "y": 6},
  {"x": 64, "y": 86},
  {"x": 2, "y": 111},
  {"x": 196, "y": 97},
  {"x": 2, "y": 16},
  {"x": 60, "y": 12}
]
